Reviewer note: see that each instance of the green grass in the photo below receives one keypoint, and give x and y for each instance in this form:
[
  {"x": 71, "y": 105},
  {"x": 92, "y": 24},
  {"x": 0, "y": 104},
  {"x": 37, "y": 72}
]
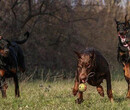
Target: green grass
[{"x": 40, "y": 95}]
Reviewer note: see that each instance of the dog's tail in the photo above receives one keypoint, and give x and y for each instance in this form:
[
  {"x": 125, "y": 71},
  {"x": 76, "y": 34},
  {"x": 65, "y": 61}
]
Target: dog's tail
[{"x": 23, "y": 41}]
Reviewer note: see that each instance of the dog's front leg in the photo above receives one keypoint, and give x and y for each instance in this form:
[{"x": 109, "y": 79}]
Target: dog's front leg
[
  {"x": 3, "y": 89},
  {"x": 76, "y": 84},
  {"x": 3, "y": 85},
  {"x": 80, "y": 98},
  {"x": 127, "y": 77},
  {"x": 75, "y": 89}
]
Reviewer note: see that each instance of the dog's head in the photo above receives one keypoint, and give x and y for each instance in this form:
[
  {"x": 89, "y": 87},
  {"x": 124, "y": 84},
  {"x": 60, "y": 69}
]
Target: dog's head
[
  {"x": 4, "y": 47},
  {"x": 121, "y": 28},
  {"x": 85, "y": 65}
]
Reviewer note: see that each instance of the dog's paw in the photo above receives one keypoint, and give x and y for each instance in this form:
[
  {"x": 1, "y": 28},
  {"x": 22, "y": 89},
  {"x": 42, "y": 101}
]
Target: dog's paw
[
  {"x": 79, "y": 101},
  {"x": 74, "y": 92},
  {"x": 128, "y": 95},
  {"x": 101, "y": 94},
  {"x": 5, "y": 85}
]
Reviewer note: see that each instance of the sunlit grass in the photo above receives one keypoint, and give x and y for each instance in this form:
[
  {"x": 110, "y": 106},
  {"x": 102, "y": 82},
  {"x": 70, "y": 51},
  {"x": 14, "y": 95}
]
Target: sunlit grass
[{"x": 40, "y": 95}]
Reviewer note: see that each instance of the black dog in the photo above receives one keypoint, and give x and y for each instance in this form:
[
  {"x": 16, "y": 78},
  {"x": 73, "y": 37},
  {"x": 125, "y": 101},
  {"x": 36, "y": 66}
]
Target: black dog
[
  {"x": 11, "y": 59},
  {"x": 123, "y": 30}
]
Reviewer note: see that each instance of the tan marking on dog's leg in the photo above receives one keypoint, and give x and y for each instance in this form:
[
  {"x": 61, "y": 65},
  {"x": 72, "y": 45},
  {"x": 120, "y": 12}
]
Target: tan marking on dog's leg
[
  {"x": 128, "y": 94},
  {"x": 2, "y": 72},
  {"x": 14, "y": 70},
  {"x": 121, "y": 53},
  {"x": 100, "y": 90},
  {"x": 127, "y": 70}
]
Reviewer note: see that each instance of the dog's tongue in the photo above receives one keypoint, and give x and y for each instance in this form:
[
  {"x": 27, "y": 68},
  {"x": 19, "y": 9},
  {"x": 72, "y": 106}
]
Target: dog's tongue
[
  {"x": 122, "y": 36},
  {"x": 83, "y": 81}
]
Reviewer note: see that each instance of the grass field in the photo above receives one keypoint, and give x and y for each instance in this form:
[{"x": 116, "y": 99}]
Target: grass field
[{"x": 39, "y": 95}]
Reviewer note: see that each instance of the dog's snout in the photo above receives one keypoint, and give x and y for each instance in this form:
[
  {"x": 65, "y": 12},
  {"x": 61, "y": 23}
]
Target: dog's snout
[
  {"x": 83, "y": 77},
  {"x": 6, "y": 51}
]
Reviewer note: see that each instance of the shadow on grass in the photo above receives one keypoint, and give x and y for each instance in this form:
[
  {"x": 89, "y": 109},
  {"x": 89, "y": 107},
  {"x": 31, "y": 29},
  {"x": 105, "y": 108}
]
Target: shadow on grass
[{"x": 120, "y": 99}]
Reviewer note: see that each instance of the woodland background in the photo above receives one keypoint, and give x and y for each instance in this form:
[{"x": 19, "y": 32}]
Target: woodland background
[{"x": 58, "y": 27}]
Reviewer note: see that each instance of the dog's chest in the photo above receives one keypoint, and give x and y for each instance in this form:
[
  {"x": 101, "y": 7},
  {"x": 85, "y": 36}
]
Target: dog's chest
[{"x": 96, "y": 80}]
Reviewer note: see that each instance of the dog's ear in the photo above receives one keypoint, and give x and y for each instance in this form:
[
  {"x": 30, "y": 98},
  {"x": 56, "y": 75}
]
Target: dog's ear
[
  {"x": 9, "y": 43},
  {"x": 92, "y": 55},
  {"x": 126, "y": 20},
  {"x": 117, "y": 22},
  {"x": 78, "y": 54}
]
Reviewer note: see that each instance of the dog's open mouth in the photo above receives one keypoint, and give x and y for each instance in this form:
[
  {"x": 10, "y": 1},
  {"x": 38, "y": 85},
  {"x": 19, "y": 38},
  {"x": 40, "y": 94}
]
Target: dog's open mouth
[
  {"x": 83, "y": 81},
  {"x": 91, "y": 74},
  {"x": 123, "y": 41},
  {"x": 122, "y": 37}
]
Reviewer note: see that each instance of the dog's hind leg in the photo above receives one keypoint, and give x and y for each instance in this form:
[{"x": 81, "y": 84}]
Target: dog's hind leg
[
  {"x": 21, "y": 61},
  {"x": 17, "y": 94},
  {"x": 21, "y": 64},
  {"x": 100, "y": 90},
  {"x": 109, "y": 88}
]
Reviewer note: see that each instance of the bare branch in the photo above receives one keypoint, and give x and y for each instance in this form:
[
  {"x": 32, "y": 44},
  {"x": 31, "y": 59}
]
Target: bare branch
[
  {"x": 58, "y": 40},
  {"x": 30, "y": 17},
  {"x": 30, "y": 7},
  {"x": 15, "y": 3},
  {"x": 12, "y": 8},
  {"x": 82, "y": 19},
  {"x": 41, "y": 6}
]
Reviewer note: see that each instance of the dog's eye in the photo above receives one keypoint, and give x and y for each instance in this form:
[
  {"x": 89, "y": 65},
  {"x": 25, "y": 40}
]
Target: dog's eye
[{"x": 79, "y": 66}]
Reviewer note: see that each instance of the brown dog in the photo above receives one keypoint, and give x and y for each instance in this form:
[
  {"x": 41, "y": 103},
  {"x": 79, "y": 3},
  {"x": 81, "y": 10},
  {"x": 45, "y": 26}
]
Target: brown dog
[{"x": 91, "y": 62}]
